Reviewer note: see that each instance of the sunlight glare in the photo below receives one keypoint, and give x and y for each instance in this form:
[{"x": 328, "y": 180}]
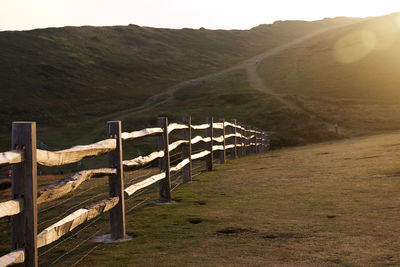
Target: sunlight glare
[
  {"x": 354, "y": 46},
  {"x": 385, "y": 31}
]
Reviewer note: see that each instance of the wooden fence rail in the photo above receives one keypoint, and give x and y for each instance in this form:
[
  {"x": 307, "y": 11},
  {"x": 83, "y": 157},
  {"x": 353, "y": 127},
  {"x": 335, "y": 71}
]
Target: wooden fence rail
[{"x": 232, "y": 138}]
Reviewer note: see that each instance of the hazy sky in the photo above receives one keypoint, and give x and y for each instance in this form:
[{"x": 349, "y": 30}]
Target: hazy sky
[{"x": 211, "y": 14}]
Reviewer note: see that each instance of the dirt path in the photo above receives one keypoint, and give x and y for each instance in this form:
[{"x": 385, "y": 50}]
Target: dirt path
[{"x": 254, "y": 81}]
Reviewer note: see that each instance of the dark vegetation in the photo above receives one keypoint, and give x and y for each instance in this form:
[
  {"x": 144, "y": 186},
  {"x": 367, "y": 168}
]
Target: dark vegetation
[{"x": 65, "y": 78}]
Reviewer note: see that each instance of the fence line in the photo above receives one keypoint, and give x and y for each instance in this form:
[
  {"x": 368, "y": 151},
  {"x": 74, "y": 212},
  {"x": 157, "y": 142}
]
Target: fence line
[{"x": 239, "y": 140}]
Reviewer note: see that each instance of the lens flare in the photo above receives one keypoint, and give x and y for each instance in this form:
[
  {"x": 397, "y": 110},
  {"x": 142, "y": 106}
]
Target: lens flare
[
  {"x": 385, "y": 31},
  {"x": 354, "y": 46},
  {"x": 397, "y": 20}
]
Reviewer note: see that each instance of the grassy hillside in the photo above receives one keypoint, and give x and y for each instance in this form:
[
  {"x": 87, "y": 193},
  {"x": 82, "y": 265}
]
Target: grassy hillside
[
  {"x": 349, "y": 76},
  {"x": 71, "y": 76}
]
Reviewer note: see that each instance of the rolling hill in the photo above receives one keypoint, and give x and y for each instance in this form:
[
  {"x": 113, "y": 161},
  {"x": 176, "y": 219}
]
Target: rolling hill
[
  {"x": 350, "y": 76},
  {"x": 72, "y": 80}
]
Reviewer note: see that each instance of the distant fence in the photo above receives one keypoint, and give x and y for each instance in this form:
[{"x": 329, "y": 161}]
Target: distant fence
[{"x": 24, "y": 157}]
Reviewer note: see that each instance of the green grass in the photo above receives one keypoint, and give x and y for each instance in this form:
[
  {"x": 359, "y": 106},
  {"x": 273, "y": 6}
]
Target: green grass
[
  {"x": 72, "y": 79},
  {"x": 337, "y": 204}
]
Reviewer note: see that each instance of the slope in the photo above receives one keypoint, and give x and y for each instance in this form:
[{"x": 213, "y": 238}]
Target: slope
[
  {"x": 69, "y": 76},
  {"x": 349, "y": 76}
]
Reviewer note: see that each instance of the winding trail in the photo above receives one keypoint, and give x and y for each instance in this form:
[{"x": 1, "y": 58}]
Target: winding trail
[{"x": 254, "y": 81}]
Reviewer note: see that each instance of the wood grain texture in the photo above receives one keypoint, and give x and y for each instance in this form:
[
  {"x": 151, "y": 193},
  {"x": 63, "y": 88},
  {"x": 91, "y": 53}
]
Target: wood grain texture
[
  {"x": 176, "y": 126},
  {"x": 62, "y": 227},
  {"x": 180, "y": 165},
  {"x": 200, "y": 154},
  {"x": 222, "y": 153},
  {"x": 218, "y": 148},
  {"x": 70, "y": 183},
  {"x": 74, "y": 154},
  {"x": 219, "y": 139},
  {"x": 234, "y": 140},
  {"x": 176, "y": 144},
  {"x": 11, "y": 157},
  {"x": 149, "y": 181},
  {"x": 116, "y": 182},
  {"x": 12, "y": 258},
  {"x": 24, "y": 186},
  {"x": 11, "y": 207},
  {"x": 218, "y": 125},
  {"x": 208, "y": 146},
  {"x": 141, "y": 133},
  {"x": 200, "y": 139},
  {"x": 200, "y": 127},
  {"x": 143, "y": 160},
  {"x": 187, "y": 151},
  {"x": 230, "y": 146},
  {"x": 164, "y": 163}
]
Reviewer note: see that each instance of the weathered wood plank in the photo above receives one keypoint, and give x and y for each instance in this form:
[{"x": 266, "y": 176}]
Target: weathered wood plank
[
  {"x": 179, "y": 166},
  {"x": 11, "y": 207},
  {"x": 141, "y": 133},
  {"x": 74, "y": 154},
  {"x": 229, "y": 146},
  {"x": 149, "y": 181},
  {"x": 176, "y": 126},
  {"x": 218, "y": 148},
  {"x": 175, "y": 144},
  {"x": 62, "y": 227},
  {"x": 143, "y": 160},
  {"x": 70, "y": 183},
  {"x": 200, "y": 154},
  {"x": 200, "y": 127},
  {"x": 227, "y": 123},
  {"x": 199, "y": 138},
  {"x": 12, "y": 258},
  {"x": 230, "y": 135},
  {"x": 11, "y": 157},
  {"x": 218, "y": 125},
  {"x": 219, "y": 139}
]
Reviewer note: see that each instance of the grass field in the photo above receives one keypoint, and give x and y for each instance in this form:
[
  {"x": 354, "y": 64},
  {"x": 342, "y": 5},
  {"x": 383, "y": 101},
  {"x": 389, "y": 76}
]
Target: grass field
[{"x": 331, "y": 204}]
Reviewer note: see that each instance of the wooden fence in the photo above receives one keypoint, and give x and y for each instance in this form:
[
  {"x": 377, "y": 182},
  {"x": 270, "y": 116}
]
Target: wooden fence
[{"x": 24, "y": 157}]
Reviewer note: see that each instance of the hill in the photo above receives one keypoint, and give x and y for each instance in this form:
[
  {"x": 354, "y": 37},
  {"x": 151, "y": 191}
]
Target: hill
[
  {"x": 349, "y": 75},
  {"x": 77, "y": 77}
]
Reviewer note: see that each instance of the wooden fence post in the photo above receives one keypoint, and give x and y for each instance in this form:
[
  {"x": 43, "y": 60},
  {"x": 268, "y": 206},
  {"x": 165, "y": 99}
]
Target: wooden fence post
[
  {"x": 116, "y": 182},
  {"x": 258, "y": 143},
  {"x": 24, "y": 185},
  {"x": 163, "y": 143},
  {"x": 222, "y": 153},
  {"x": 241, "y": 150},
  {"x": 263, "y": 142},
  {"x": 246, "y": 140},
  {"x": 234, "y": 150},
  {"x": 209, "y": 145},
  {"x": 187, "y": 150}
]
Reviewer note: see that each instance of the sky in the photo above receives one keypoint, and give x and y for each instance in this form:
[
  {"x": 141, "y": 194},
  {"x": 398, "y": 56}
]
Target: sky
[{"x": 210, "y": 14}]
